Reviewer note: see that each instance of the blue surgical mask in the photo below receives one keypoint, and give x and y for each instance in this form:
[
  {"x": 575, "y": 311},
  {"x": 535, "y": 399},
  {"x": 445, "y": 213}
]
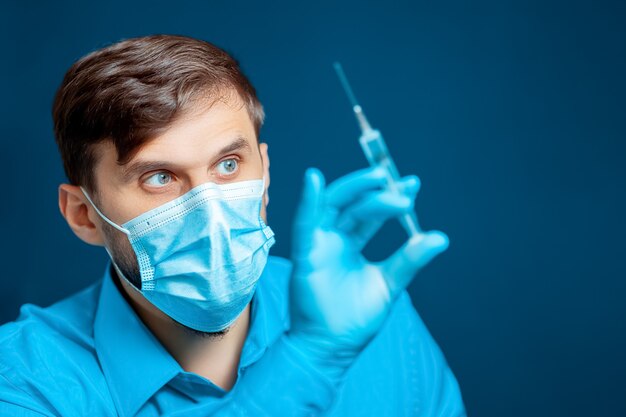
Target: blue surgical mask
[{"x": 200, "y": 256}]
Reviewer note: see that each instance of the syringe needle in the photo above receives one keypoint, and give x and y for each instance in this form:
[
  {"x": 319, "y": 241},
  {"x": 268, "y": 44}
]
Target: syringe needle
[
  {"x": 345, "y": 84},
  {"x": 358, "y": 111}
]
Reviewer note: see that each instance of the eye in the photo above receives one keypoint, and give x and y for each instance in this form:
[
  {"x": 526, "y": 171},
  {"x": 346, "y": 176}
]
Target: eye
[
  {"x": 228, "y": 166},
  {"x": 160, "y": 179}
]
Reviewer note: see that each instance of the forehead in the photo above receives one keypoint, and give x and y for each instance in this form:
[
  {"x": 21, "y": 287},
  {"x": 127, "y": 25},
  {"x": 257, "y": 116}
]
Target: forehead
[
  {"x": 192, "y": 141},
  {"x": 203, "y": 127}
]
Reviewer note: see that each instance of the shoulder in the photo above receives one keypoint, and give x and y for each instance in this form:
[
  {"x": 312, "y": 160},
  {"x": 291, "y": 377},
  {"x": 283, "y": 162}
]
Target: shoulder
[
  {"x": 279, "y": 265},
  {"x": 69, "y": 320},
  {"x": 405, "y": 332},
  {"x": 274, "y": 284},
  {"x": 405, "y": 368},
  {"x": 45, "y": 345},
  {"x": 275, "y": 277}
]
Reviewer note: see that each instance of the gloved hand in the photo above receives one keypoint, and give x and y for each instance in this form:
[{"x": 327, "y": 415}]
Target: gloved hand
[{"x": 338, "y": 299}]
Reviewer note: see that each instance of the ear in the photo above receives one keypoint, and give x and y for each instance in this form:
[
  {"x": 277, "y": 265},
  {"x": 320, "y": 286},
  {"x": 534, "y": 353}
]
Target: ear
[
  {"x": 266, "y": 170},
  {"x": 79, "y": 214}
]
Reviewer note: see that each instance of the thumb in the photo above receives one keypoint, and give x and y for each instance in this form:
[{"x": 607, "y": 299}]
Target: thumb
[
  {"x": 309, "y": 211},
  {"x": 400, "y": 268}
]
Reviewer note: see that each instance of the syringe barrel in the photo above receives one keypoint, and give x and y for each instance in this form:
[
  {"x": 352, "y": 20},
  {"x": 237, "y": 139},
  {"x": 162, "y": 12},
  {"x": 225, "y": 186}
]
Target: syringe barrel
[
  {"x": 377, "y": 155},
  {"x": 376, "y": 152}
]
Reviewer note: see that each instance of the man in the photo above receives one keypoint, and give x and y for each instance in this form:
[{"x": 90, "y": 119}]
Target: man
[{"x": 159, "y": 138}]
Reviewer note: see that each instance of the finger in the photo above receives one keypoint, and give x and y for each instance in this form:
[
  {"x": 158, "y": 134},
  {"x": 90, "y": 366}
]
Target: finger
[
  {"x": 346, "y": 189},
  {"x": 409, "y": 185},
  {"x": 362, "y": 233},
  {"x": 400, "y": 268},
  {"x": 376, "y": 207},
  {"x": 362, "y": 228},
  {"x": 309, "y": 210}
]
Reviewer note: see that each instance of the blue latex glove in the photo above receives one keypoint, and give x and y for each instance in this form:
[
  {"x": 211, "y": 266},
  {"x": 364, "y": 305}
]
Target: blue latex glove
[{"x": 338, "y": 299}]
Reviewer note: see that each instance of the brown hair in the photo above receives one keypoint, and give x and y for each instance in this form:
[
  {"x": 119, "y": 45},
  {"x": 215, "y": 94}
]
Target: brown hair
[{"x": 132, "y": 90}]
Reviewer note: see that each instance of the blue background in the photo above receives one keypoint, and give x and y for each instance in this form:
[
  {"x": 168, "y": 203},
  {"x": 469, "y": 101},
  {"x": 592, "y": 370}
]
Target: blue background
[{"x": 511, "y": 113}]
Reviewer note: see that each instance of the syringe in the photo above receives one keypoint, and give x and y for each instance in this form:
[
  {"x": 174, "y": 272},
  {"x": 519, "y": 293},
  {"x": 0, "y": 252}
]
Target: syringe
[{"x": 376, "y": 152}]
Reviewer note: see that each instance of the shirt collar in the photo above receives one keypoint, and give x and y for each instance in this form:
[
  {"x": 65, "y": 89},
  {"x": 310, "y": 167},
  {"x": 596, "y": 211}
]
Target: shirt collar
[
  {"x": 268, "y": 317},
  {"x": 268, "y": 320},
  {"x": 135, "y": 364}
]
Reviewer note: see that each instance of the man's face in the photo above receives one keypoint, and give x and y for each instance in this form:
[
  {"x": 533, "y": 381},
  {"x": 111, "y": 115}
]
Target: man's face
[{"x": 216, "y": 144}]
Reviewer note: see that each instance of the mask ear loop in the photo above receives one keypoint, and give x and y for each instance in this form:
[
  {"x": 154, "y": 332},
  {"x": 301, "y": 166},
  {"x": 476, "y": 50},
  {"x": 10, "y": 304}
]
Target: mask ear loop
[
  {"x": 121, "y": 229},
  {"x": 105, "y": 218},
  {"x": 264, "y": 227},
  {"x": 266, "y": 193}
]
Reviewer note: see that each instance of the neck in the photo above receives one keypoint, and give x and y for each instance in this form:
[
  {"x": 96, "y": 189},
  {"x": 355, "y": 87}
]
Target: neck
[{"x": 215, "y": 357}]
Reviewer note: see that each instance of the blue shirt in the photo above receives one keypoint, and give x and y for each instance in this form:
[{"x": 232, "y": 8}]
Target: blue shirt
[{"x": 91, "y": 355}]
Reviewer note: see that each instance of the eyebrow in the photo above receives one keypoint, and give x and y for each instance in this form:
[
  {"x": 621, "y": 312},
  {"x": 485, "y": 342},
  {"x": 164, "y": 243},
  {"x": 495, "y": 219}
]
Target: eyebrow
[{"x": 140, "y": 166}]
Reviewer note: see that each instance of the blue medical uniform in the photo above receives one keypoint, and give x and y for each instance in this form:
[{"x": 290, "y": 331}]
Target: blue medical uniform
[{"x": 91, "y": 355}]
